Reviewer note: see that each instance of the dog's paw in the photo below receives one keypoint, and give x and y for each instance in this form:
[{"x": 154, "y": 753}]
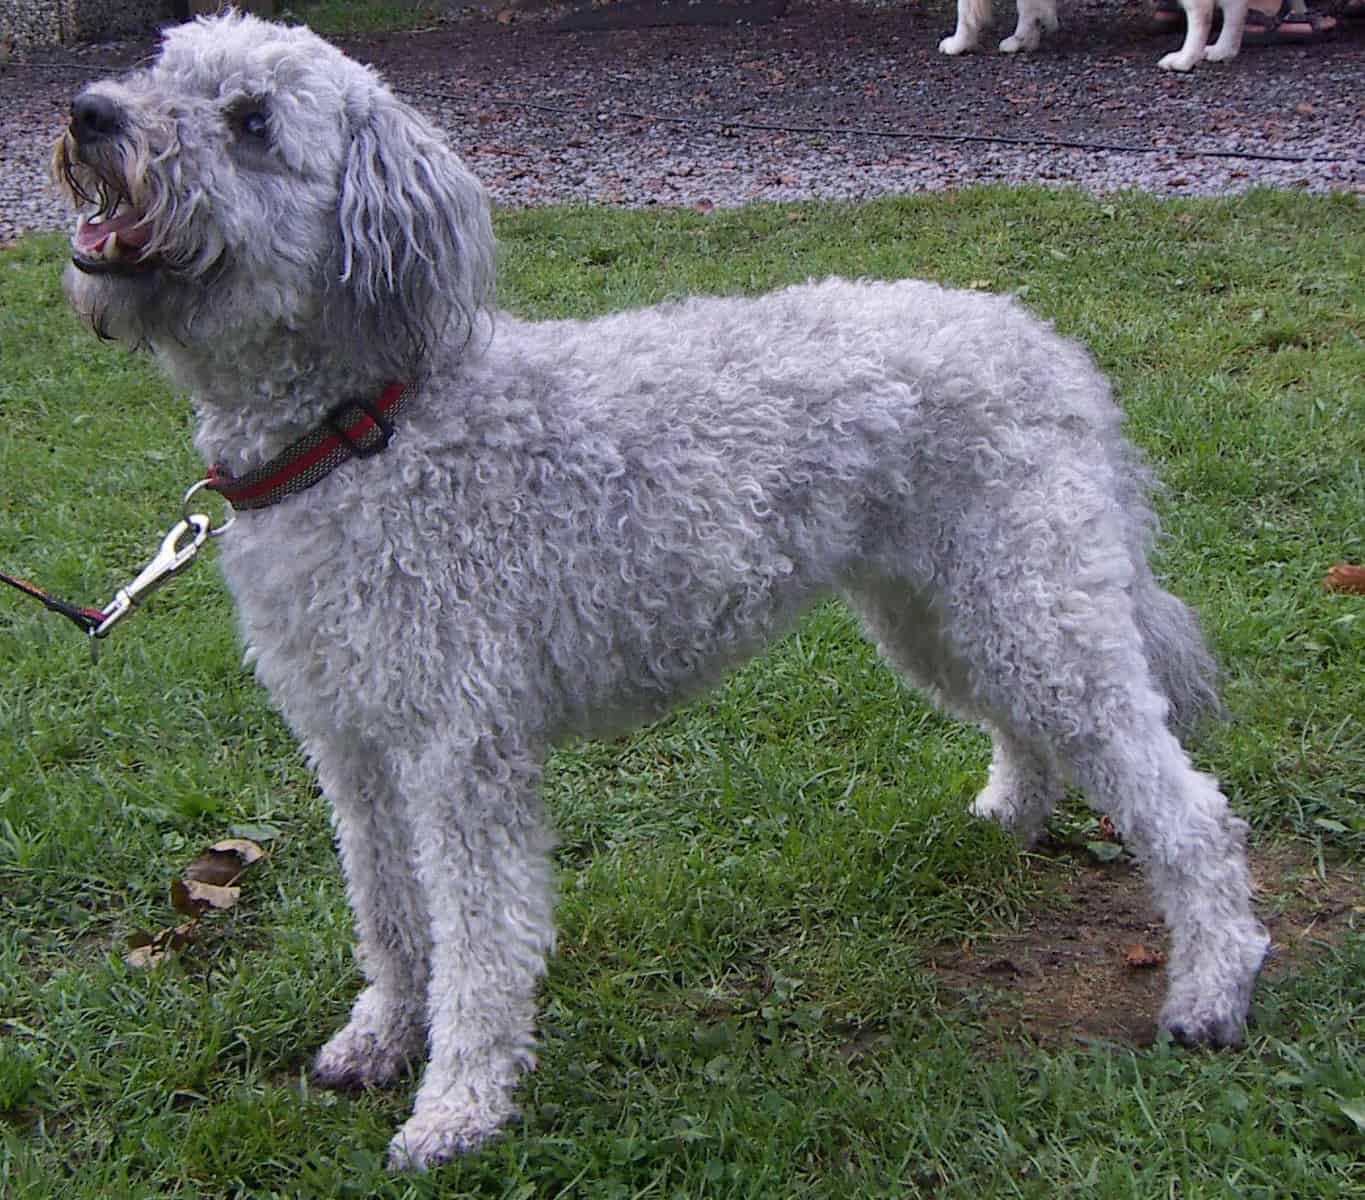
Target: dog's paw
[
  {"x": 958, "y": 43},
  {"x": 1209, "y": 1006},
  {"x": 352, "y": 1060},
  {"x": 374, "y": 1050},
  {"x": 1217, "y": 53},
  {"x": 999, "y": 804},
  {"x": 1177, "y": 60},
  {"x": 1211, "y": 1026},
  {"x": 438, "y": 1134},
  {"x": 1020, "y": 43}
]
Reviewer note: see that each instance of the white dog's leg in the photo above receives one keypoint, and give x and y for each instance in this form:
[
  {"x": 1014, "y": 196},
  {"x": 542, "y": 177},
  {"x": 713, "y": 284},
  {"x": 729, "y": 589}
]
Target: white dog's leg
[
  {"x": 482, "y": 858},
  {"x": 1036, "y": 17},
  {"x": 1193, "y": 851},
  {"x": 1198, "y": 22},
  {"x": 972, "y": 17},
  {"x": 1069, "y": 671},
  {"x": 1021, "y": 791},
  {"x": 387, "y": 1029},
  {"x": 1229, "y": 41},
  {"x": 1087, "y": 692}
]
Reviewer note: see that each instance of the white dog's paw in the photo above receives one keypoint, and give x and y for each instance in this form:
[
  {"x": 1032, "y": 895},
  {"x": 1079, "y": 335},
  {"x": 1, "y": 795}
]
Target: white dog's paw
[
  {"x": 1011, "y": 812},
  {"x": 1178, "y": 60},
  {"x": 1217, "y": 53},
  {"x": 958, "y": 43},
  {"x": 361, "y": 1058},
  {"x": 1210, "y": 1024},
  {"x": 993, "y": 803},
  {"x": 1209, "y": 1005},
  {"x": 439, "y": 1133},
  {"x": 1021, "y": 43},
  {"x": 374, "y": 1050}
]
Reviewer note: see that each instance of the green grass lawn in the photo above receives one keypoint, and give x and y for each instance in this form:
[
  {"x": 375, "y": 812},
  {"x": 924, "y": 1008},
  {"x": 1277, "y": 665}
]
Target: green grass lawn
[
  {"x": 330, "y": 17},
  {"x": 755, "y": 892}
]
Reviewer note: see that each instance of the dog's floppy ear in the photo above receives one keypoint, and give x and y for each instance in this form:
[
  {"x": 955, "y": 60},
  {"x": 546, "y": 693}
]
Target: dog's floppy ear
[{"x": 416, "y": 240}]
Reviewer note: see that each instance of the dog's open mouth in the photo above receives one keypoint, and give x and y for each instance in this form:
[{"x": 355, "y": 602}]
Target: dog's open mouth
[{"x": 113, "y": 240}]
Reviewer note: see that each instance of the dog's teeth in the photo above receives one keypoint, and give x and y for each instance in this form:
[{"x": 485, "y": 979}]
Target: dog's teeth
[
  {"x": 109, "y": 248},
  {"x": 97, "y": 219}
]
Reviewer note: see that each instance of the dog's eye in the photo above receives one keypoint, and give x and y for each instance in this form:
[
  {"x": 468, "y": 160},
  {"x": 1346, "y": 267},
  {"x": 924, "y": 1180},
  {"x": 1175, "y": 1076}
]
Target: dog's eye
[{"x": 251, "y": 124}]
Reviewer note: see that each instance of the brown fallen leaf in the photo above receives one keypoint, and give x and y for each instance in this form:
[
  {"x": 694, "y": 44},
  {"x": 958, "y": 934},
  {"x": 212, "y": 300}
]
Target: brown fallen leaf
[
  {"x": 1345, "y": 577},
  {"x": 245, "y": 849},
  {"x": 193, "y": 899},
  {"x": 210, "y": 881},
  {"x": 223, "y": 862},
  {"x": 1140, "y": 958},
  {"x": 149, "y": 950}
]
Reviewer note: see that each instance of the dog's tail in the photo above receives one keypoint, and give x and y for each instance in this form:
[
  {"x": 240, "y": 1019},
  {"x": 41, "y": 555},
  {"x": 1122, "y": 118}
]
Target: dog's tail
[
  {"x": 1181, "y": 663},
  {"x": 1177, "y": 653}
]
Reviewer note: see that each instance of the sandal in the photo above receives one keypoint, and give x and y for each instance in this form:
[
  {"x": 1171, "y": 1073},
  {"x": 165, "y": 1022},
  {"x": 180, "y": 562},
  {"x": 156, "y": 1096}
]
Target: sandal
[
  {"x": 1168, "y": 17},
  {"x": 1286, "y": 27}
]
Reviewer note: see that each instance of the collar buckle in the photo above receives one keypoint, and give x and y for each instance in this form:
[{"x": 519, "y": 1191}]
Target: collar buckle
[{"x": 361, "y": 445}]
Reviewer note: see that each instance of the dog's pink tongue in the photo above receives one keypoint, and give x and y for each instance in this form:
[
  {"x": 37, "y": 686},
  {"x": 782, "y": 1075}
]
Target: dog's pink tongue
[{"x": 92, "y": 235}]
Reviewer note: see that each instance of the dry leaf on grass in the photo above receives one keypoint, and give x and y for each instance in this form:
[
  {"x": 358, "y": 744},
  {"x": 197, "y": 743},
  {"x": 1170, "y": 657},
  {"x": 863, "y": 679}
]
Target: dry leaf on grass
[
  {"x": 148, "y": 950},
  {"x": 209, "y": 882},
  {"x": 192, "y": 898},
  {"x": 223, "y": 862},
  {"x": 1345, "y": 577},
  {"x": 1140, "y": 958}
]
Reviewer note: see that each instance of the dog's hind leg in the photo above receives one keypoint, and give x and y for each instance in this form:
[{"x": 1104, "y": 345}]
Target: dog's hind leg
[
  {"x": 387, "y": 1029},
  {"x": 482, "y": 860},
  {"x": 1177, "y": 823},
  {"x": 1068, "y": 670},
  {"x": 1023, "y": 787}
]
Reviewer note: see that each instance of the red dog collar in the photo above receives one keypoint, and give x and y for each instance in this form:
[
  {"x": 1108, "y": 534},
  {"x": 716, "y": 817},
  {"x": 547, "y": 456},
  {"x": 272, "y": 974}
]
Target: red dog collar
[{"x": 355, "y": 429}]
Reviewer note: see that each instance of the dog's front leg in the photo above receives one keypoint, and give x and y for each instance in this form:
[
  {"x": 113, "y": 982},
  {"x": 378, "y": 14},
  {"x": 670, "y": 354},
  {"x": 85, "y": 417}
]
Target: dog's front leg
[
  {"x": 972, "y": 17},
  {"x": 1036, "y": 17},
  {"x": 1198, "y": 22},
  {"x": 387, "y": 1029},
  {"x": 1229, "y": 42},
  {"x": 482, "y": 861}
]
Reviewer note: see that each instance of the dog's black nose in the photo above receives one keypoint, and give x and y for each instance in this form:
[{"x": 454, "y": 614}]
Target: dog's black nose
[{"x": 94, "y": 117}]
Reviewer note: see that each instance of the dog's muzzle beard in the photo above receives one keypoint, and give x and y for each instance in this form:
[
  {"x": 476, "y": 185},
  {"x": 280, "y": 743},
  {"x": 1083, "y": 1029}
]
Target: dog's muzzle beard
[{"x": 92, "y": 160}]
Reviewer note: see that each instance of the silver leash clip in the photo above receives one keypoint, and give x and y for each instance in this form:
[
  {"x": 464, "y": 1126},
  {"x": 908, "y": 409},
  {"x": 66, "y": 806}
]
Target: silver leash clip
[{"x": 178, "y": 550}]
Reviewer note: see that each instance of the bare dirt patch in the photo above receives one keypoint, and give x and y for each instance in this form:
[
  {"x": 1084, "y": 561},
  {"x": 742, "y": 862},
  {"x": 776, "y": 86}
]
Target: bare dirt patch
[{"x": 1087, "y": 966}]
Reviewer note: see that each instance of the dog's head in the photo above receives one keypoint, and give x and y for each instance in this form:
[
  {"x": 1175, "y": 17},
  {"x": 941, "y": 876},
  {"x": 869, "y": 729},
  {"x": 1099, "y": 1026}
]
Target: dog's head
[{"x": 255, "y": 185}]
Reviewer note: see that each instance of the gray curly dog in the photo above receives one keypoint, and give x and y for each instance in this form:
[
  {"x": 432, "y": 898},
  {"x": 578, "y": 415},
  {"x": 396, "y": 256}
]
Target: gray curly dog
[{"x": 575, "y": 524}]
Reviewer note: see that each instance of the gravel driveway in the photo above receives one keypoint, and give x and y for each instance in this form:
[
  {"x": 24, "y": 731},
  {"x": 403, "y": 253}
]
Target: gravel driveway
[{"x": 827, "y": 99}]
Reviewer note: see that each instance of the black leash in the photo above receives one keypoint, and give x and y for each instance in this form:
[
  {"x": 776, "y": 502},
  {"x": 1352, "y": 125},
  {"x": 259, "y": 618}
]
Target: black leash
[
  {"x": 86, "y": 619},
  {"x": 178, "y": 549}
]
